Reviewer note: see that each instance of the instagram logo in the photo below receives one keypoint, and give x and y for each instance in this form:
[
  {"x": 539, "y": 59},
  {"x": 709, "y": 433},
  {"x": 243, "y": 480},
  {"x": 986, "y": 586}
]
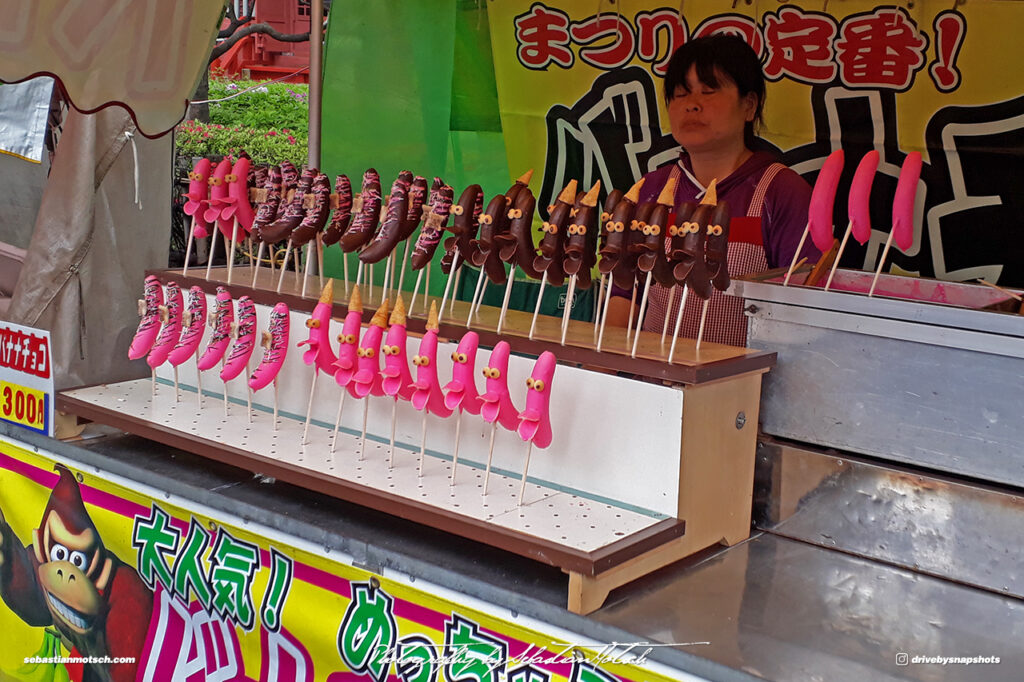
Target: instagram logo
[{"x": 902, "y": 659}]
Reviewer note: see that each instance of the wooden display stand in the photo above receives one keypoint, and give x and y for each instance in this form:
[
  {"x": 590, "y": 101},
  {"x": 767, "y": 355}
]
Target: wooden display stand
[{"x": 667, "y": 472}]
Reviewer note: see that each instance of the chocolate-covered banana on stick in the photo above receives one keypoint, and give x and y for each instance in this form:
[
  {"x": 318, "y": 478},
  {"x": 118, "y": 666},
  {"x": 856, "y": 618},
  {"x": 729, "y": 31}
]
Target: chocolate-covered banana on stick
[
  {"x": 651, "y": 250},
  {"x": 364, "y": 225},
  {"x": 415, "y": 210},
  {"x": 555, "y": 229},
  {"x": 390, "y": 231},
  {"x": 342, "y": 216},
  {"x": 294, "y": 212},
  {"x": 430, "y": 235},
  {"x": 459, "y": 247},
  {"x": 433, "y": 226},
  {"x": 493, "y": 223},
  {"x": 716, "y": 247},
  {"x": 266, "y": 210},
  {"x": 690, "y": 267},
  {"x": 516, "y": 247},
  {"x": 616, "y": 230},
  {"x": 289, "y": 184},
  {"x": 580, "y": 249},
  {"x": 581, "y": 243},
  {"x": 316, "y": 216}
]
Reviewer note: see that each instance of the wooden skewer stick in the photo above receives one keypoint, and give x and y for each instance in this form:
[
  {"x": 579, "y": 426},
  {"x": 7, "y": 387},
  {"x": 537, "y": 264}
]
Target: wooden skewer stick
[
  {"x": 476, "y": 292},
  {"x": 337, "y": 423},
  {"x": 177, "y": 395},
  {"x": 835, "y": 263},
  {"x": 256, "y": 270},
  {"x": 426, "y": 288},
  {"x": 451, "y": 304},
  {"x": 679, "y": 322},
  {"x": 369, "y": 281},
  {"x": 632, "y": 304},
  {"x": 296, "y": 256},
  {"x": 390, "y": 276},
  {"x": 999, "y": 288},
  {"x": 480, "y": 301},
  {"x": 275, "y": 404},
  {"x": 455, "y": 455},
  {"x": 567, "y": 312},
  {"x": 640, "y": 317},
  {"x": 309, "y": 407},
  {"x": 490, "y": 455},
  {"x": 597, "y": 303},
  {"x": 154, "y": 382},
  {"x": 508, "y": 294},
  {"x": 309, "y": 268},
  {"x": 188, "y": 249},
  {"x": 536, "y": 309},
  {"x": 668, "y": 313},
  {"x": 385, "y": 284},
  {"x": 362, "y": 441},
  {"x": 405, "y": 263},
  {"x": 320, "y": 258},
  {"x": 359, "y": 273},
  {"x": 447, "y": 285},
  {"x": 284, "y": 266},
  {"x": 799, "y": 248},
  {"x": 231, "y": 251},
  {"x": 604, "y": 312},
  {"x": 213, "y": 250},
  {"x": 423, "y": 442},
  {"x": 391, "y": 450},
  {"x": 881, "y": 263},
  {"x": 344, "y": 262},
  {"x": 199, "y": 384},
  {"x": 703, "y": 319},
  {"x": 522, "y": 487},
  {"x": 416, "y": 290},
  {"x": 248, "y": 391}
]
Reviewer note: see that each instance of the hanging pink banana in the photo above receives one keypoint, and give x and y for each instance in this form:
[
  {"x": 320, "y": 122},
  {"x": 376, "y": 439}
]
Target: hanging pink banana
[
  {"x": 171, "y": 329},
  {"x": 427, "y": 393},
  {"x": 535, "y": 420},
  {"x": 348, "y": 340},
  {"x": 367, "y": 380},
  {"x": 396, "y": 380},
  {"x": 319, "y": 340},
  {"x": 275, "y": 343},
  {"x": 149, "y": 325},
  {"x": 220, "y": 319},
  {"x": 460, "y": 392},
  {"x": 496, "y": 402},
  {"x": 241, "y": 351},
  {"x": 193, "y": 321}
]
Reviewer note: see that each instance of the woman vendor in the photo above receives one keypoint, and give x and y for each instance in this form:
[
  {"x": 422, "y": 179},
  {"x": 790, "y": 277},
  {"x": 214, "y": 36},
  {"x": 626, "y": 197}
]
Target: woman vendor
[{"x": 715, "y": 92}]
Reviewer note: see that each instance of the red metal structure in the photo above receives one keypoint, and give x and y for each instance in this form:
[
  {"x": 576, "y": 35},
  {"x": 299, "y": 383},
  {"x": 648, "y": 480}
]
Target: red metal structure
[{"x": 261, "y": 57}]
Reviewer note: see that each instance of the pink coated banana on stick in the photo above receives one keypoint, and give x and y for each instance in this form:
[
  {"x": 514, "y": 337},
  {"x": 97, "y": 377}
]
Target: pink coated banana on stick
[
  {"x": 238, "y": 205},
  {"x": 348, "y": 341},
  {"x": 367, "y": 379},
  {"x": 218, "y": 193},
  {"x": 460, "y": 392},
  {"x": 220, "y": 319},
  {"x": 242, "y": 349},
  {"x": 193, "y": 321},
  {"x": 170, "y": 332},
  {"x": 535, "y": 420},
  {"x": 427, "y": 394},
  {"x": 319, "y": 351},
  {"x": 275, "y": 343},
  {"x": 496, "y": 402},
  {"x": 198, "y": 197},
  {"x": 396, "y": 379},
  {"x": 149, "y": 325}
]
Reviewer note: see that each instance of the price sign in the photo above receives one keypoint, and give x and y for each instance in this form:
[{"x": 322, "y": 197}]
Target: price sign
[{"x": 26, "y": 379}]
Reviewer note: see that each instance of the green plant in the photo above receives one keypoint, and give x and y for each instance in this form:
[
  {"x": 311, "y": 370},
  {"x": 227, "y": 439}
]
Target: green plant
[
  {"x": 193, "y": 138},
  {"x": 271, "y": 106}
]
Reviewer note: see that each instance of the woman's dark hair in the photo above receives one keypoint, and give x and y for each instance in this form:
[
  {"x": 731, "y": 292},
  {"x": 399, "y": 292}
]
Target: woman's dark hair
[{"x": 725, "y": 54}]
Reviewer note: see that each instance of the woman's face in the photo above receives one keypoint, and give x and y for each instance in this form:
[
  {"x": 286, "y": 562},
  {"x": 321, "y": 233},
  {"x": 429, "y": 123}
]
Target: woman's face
[{"x": 706, "y": 118}]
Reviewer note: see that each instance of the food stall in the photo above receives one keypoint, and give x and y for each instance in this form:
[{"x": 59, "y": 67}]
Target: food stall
[{"x": 601, "y": 504}]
